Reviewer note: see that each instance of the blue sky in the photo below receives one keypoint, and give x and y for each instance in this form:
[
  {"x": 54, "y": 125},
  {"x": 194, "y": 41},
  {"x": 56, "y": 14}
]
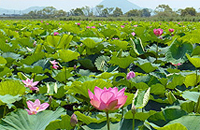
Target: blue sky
[{"x": 69, "y": 4}]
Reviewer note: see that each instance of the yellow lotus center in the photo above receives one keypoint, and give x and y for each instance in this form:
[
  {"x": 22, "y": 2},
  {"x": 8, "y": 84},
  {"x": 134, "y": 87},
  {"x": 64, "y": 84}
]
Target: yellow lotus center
[
  {"x": 37, "y": 108},
  {"x": 33, "y": 112}
]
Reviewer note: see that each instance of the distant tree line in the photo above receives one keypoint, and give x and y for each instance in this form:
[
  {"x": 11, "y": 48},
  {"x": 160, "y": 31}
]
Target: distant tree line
[
  {"x": 47, "y": 12},
  {"x": 161, "y": 11}
]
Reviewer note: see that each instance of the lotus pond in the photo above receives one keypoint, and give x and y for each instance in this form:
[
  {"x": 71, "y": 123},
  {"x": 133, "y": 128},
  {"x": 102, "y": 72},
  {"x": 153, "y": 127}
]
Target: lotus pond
[{"x": 86, "y": 75}]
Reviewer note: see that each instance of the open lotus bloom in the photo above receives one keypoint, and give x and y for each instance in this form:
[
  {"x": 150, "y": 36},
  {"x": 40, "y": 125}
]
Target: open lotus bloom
[
  {"x": 54, "y": 63},
  {"x": 55, "y": 33},
  {"x": 35, "y": 107},
  {"x": 107, "y": 99},
  {"x": 171, "y": 30},
  {"x": 55, "y": 67},
  {"x": 158, "y": 32},
  {"x": 133, "y": 33},
  {"x": 178, "y": 64},
  {"x": 30, "y": 84}
]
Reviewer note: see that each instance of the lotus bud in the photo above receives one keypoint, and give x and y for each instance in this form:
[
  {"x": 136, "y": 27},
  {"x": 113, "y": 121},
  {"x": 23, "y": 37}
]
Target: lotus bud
[
  {"x": 34, "y": 43},
  {"x": 130, "y": 75},
  {"x": 73, "y": 120},
  {"x": 133, "y": 109}
]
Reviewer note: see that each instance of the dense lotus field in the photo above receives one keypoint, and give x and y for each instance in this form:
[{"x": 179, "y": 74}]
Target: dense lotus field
[{"x": 85, "y": 75}]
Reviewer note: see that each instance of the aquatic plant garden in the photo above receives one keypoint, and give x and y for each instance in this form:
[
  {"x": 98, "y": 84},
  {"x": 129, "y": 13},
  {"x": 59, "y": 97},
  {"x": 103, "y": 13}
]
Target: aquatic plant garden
[{"x": 86, "y": 75}]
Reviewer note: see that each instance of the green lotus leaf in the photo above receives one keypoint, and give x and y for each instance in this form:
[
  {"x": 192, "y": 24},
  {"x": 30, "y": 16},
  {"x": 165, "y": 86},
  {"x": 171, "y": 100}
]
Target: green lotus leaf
[
  {"x": 90, "y": 43},
  {"x": 191, "y": 122},
  {"x": 195, "y": 60},
  {"x": 9, "y": 99},
  {"x": 121, "y": 44},
  {"x": 192, "y": 96},
  {"x": 12, "y": 87},
  {"x": 175, "y": 126},
  {"x": 29, "y": 60},
  {"x": 176, "y": 52},
  {"x": 101, "y": 63},
  {"x": 68, "y": 55},
  {"x": 122, "y": 62},
  {"x": 64, "y": 123},
  {"x": 2, "y": 61},
  {"x": 141, "y": 98},
  {"x": 191, "y": 80},
  {"x": 82, "y": 88},
  {"x": 160, "y": 119}
]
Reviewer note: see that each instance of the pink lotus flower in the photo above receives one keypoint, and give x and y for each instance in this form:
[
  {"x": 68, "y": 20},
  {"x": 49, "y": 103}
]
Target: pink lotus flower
[
  {"x": 73, "y": 120},
  {"x": 88, "y": 27},
  {"x": 158, "y": 32},
  {"x": 55, "y": 33},
  {"x": 54, "y": 63},
  {"x": 178, "y": 64},
  {"x": 78, "y": 24},
  {"x": 41, "y": 21},
  {"x": 135, "y": 25},
  {"x": 47, "y": 23},
  {"x": 55, "y": 67},
  {"x": 93, "y": 27},
  {"x": 122, "y": 26},
  {"x": 107, "y": 99},
  {"x": 30, "y": 84},
  {"x": 36, "y": 107},
  {"x": 133, "y": 33},
  {"x": 130, "y": 75},
  {"x": 171, "y": 30}
]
